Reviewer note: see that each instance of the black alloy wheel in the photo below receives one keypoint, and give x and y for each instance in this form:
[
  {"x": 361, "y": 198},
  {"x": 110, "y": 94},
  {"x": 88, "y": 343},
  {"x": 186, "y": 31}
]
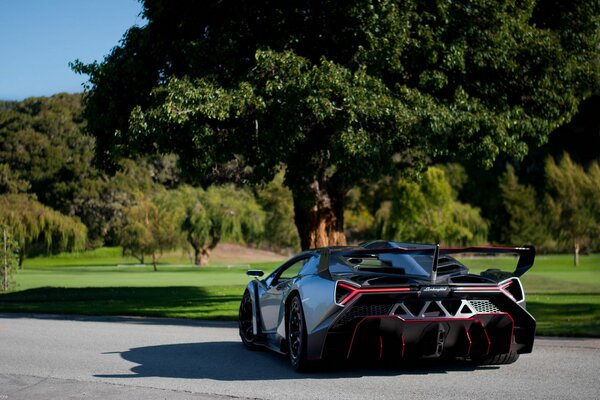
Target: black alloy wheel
[
  {"x": 245, "y": 322},
  {"x": 297, "y": 335}
]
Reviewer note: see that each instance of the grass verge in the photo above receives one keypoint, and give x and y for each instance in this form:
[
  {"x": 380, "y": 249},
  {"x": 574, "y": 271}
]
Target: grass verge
[
  {"x": 215, "y": 302},
  {"x": 565, "y": 300},
  {"x": 566, "y": 314}
]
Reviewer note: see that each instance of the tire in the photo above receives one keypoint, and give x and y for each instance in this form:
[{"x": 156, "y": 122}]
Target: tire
[
  {"x": 499, "y": 359},
  {"x": 296, "y": 335},
  {"x": 245, "y": 322}
]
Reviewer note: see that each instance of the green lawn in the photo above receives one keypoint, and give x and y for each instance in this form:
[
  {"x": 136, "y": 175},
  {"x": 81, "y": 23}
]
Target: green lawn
[
  {"x": 566, "y": 314},
  {"x": 564, "y": 299},
  {"x": 214, "y": 302}
]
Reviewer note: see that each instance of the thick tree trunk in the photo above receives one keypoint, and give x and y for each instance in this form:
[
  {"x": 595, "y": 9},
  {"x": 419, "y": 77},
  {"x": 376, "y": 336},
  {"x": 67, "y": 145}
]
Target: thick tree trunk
[
  {"x": 576, "y": 255},
  {"x": 197, "y": 259},
  {"x": 154, "y": 261},
  {"x": 21, "y": 257},
  {"x": 202, "y": 257},
  {"x": 202, "y": 253},
  {"x": 5, "y": 282},
  {"x": 320, "y": 222}
]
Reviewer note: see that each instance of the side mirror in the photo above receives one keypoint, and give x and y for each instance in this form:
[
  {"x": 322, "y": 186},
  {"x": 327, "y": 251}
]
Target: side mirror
[{"x": 257, "y": 273}]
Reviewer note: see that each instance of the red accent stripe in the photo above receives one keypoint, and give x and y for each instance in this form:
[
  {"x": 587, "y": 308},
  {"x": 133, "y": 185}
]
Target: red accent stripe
[
  {"x": 428, "y": 320},
  {"x": 470, "y": 341},
  {"x": 402, "y": 338},
  {"x": 358, "y": 291},
  {"x": 506, "y": 292},
  {"x": 487, "y": 337}
]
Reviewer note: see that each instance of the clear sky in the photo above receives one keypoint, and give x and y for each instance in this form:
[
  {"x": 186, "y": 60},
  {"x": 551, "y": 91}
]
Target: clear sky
[{"x": 38, "y": 38}]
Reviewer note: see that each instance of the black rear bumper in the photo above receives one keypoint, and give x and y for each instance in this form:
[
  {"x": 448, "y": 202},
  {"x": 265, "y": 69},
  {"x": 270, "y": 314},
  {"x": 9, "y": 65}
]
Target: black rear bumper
[{"x": 366, "y": 329}]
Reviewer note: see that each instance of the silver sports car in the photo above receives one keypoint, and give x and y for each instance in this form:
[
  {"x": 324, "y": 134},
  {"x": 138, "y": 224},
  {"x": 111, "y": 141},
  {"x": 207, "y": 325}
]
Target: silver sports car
[{"x": 390, "y": 301}]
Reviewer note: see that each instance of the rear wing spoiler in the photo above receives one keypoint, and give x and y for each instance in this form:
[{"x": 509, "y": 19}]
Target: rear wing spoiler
[{"x": 526, "y": 253}]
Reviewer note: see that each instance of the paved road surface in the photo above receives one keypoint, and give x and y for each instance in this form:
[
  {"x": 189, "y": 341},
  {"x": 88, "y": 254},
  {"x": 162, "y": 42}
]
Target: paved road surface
[{"x": 48, "y": 357}]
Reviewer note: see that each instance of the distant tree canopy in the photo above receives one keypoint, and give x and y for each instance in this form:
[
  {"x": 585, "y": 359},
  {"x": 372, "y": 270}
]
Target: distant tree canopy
[
  {"x": 37, "y": 228},
  {"x": 525, "y": 217},
  {"x": 339, "y": 91},
  {"x": 428, "y": 211},
  {"x": 7, "y": 105},
  {"x": 277, "y": 202},
  {"x": 205, "y": 217},
  {"x": 149, "y": 228},
  {"x": 43, "y": 149},
  {"x": 101, "y": 201},
  {"x": 9, "y": 250},
  {"x": 573, "y": 203}
]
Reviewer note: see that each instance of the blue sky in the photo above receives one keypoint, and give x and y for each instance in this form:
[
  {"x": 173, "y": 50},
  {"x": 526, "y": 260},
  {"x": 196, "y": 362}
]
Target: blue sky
[{"x": 38, "y": 38}]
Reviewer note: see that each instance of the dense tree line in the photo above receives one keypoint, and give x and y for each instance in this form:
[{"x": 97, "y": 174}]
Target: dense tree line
[
  {"x": 145, "y": 207},
  {"x": 339, "y": 92},
  {"x": 303, "y": 123}
]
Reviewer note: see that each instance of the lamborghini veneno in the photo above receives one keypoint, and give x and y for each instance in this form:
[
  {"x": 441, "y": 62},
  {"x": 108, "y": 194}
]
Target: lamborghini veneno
[{"x": 390, "y": 301}]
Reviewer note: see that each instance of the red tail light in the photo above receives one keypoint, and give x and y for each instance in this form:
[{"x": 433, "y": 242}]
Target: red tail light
[{"x": 345, "y": 292}]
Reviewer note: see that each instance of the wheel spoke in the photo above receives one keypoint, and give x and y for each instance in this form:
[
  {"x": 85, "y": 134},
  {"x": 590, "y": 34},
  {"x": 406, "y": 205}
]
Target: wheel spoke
[
  {"x": 295, "y": 327},
  {"x": 246, "y": 319}
]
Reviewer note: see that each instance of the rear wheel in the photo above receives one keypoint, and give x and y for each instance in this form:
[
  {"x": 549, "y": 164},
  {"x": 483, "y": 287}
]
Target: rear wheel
[
  {"x": 245, "y": 322},
  {"x": 296, "y": 335}
]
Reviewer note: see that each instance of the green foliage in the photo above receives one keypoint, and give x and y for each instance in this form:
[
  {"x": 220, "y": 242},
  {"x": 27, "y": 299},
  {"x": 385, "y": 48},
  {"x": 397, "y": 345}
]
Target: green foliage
[
  {"x": 7, "y": 105},
  {"x": 573, "y": 201},
  {"x": 100, "y": 202},
  {"x": 525, "y": 223},
  {"x": 456, "y": 175},
  {"x": 44, "y": 150},
  {"x": 10, "y": 182},
  {"x": 8, "y": 258},
  {"x": 428, "y": 212},
  {"x": 37, "y": 228},
  {"x": 277, "y": 202},
  {"x": 206, "y": 217},
  {"x": 149, "y": 228},
  {"x": 359, "y": 222},
  {"x": 340, "y": 91}
]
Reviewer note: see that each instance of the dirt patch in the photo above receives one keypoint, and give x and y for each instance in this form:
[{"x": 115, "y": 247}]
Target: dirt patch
[{"x": 226, "y": 253}]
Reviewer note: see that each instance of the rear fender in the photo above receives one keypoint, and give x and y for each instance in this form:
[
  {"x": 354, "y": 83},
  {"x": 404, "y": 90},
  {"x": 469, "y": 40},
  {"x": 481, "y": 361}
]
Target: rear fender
[{"x": 253, "y": 290}]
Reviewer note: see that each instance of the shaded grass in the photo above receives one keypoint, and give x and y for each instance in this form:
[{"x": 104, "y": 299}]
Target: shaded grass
[
  {"x": 566, "y": 314},
  {"x": 216, "y": 302}
]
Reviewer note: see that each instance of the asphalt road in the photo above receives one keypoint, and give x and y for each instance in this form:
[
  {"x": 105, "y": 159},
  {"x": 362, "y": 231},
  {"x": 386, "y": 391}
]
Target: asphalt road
[{"x": 49, "y": 357}]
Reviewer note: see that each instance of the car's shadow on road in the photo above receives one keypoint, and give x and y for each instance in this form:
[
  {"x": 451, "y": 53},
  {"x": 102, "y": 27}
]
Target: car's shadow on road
[{"x": 229, "y": 361}]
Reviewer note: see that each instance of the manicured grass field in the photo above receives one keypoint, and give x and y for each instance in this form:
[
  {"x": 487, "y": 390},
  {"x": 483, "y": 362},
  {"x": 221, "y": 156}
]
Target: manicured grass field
[
  {"x": 214, "y": 302},
  {"x": 564, "y": 299}
]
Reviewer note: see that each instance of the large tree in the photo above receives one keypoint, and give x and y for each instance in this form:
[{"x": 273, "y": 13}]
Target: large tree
[
  {"x": 149, "y": 228},
  {"x": 39, "y": 229},
  {"x": 339, "y": 91},
  {"x": 428, "y": 211},
  {"x": 205, "y": 217},
  {"x": 524, "y": 221},
  {"x": 573, "y": 201}
]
